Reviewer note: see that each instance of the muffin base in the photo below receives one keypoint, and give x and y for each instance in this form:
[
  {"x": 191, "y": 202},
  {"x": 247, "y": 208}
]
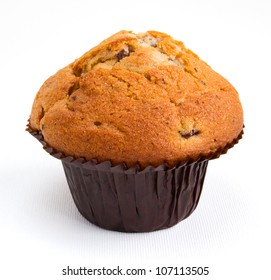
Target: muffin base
[
  {"x": 130, "y": 199},
  {"x": 135, "y": 201}
]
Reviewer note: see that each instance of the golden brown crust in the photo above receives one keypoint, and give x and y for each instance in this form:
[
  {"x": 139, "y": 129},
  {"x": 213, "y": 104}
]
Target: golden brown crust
[{"x": 138, "y": 98}]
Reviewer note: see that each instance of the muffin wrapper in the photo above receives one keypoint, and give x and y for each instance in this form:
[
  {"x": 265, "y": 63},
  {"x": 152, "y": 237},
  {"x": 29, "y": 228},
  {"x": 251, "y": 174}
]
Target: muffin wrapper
[{"x": 130, "y": 199}]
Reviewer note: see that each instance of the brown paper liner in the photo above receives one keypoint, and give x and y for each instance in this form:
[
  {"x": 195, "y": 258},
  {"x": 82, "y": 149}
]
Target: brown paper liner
[{"x": 130, "y": 199}]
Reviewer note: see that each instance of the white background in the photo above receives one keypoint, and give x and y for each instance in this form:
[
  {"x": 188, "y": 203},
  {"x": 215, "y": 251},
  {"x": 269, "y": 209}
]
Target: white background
[{"x": 41, "y": 231}]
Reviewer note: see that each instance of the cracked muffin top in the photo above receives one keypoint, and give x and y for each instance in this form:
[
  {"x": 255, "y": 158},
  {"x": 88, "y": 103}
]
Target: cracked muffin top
[{"x": 137, "y": 98}]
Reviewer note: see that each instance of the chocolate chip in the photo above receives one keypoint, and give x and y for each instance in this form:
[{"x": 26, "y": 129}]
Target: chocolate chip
[
  {"x": 123, "y": 53},
  {"x": 42, "y": 127},
  {"x": 74, "y": 97},
  {"x": 190, "y": 133},
  {"x": 97, "y": 123}
]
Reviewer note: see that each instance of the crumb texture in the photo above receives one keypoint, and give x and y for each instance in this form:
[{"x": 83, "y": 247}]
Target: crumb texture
[{"x": 137, "y": 98}]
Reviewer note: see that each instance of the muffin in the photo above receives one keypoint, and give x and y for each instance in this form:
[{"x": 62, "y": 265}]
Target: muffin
[{"x": 135, "y": 121}]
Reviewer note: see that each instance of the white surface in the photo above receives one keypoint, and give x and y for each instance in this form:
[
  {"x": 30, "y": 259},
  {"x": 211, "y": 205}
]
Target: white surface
[{"x": 41, "y": 231}]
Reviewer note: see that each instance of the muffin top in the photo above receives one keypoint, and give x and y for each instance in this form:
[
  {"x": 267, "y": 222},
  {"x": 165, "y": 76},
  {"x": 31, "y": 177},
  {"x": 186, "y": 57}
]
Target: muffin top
[{"x": 137, "y": 98}]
